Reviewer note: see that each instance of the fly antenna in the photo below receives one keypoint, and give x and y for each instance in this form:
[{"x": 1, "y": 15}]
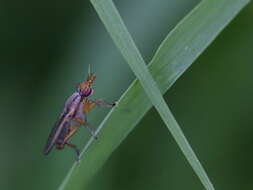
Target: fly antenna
[{"x": 89, "y": 73}]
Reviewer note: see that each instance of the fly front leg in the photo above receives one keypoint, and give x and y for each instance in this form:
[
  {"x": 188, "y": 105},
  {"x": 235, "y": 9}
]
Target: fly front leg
[
  {"x": 103, "y": 103},
  {"x": 89, "y": 104}
]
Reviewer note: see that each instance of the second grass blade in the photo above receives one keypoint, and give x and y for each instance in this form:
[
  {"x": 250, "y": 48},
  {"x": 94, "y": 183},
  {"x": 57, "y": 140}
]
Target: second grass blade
[{"x": 123, "y": 40}]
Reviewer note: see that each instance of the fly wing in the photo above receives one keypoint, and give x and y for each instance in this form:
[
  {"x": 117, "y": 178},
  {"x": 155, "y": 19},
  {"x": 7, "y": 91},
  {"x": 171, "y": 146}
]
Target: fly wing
[
  {"x": 55, "y": 132},
  {"x": 65, "y": 117}
]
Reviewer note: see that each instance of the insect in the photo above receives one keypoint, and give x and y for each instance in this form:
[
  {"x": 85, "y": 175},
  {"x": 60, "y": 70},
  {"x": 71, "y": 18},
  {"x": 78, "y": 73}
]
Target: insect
[{"x": 73, "y": 116}]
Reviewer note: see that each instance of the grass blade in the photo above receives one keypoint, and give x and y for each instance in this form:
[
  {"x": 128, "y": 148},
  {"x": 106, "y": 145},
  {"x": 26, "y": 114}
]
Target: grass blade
[
  {"x": 123, "y": 40},
  {"x": 180, "y": 48}
]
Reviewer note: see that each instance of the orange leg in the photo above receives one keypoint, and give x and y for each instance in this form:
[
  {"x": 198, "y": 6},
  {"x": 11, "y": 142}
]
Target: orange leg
[
  {"x": 81, "y": 121},
  {"x": 89, "y": 104},
  {"x": 102, "y": 103},
  {"x": 73, "y": 130}
]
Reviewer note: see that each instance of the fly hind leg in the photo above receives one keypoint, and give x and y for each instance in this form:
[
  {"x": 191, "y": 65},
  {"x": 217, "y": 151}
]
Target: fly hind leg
[{"x": 76, "y": 150}]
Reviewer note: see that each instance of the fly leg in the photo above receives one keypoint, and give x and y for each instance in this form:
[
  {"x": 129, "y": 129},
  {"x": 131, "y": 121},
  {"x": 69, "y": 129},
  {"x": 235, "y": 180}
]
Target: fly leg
[
  {"x": 102, "y": 103},
  {"x": 89, "y": 104},
  {"x": 73, "y": 129},
  {"x": 76, "y": 150},
  {"x": 92, "y": 132},
  {"x": 83, "y": 122}
]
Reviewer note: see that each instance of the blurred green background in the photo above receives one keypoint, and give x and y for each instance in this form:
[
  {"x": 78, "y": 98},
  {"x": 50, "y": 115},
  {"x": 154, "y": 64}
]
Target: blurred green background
[{"x": 46, "y": 47}]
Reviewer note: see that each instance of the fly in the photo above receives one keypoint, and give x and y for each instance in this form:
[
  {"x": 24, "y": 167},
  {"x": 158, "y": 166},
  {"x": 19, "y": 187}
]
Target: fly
[{"x": 73, "y": 116}]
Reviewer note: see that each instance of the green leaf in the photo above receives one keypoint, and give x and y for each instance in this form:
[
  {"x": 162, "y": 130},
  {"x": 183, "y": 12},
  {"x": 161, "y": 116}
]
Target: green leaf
[
  {"x": 119, "y": 33},
  {"x": 178, "y": 51}
]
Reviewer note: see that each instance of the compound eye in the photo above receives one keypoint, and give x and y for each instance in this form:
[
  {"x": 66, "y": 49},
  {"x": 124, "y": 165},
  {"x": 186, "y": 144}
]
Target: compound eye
[{"x": 87, "y": 92}]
